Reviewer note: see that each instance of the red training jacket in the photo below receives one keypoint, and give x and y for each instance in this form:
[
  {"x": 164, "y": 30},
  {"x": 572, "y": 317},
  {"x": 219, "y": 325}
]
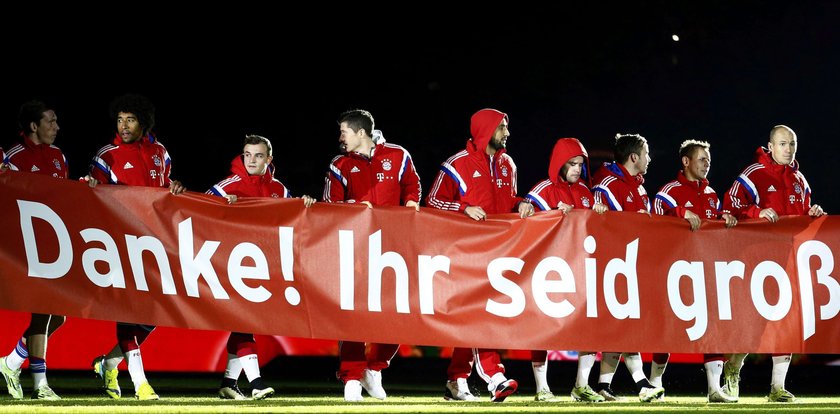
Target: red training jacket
[
  {"x": 619, "y": 190},
  {"x": 242, "y": 184},
  {"x": 144, "y": 162},
  {"x": 766, "y": 184},
  {"x": 681, "y": 194},
  {"x": 386, "y": 178},
  {"x": 37, "y": 158}
]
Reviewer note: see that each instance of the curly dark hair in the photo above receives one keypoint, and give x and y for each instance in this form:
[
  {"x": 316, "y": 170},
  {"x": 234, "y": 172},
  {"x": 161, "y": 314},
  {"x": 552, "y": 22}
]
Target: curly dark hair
[{"x": 138, "y": 105}]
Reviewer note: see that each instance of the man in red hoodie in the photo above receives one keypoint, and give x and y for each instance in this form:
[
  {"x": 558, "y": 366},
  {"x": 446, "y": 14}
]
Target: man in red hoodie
[
  {"x": 620, "y": 186},
  {"x": 135, "y": 157},
  {"x": 564, "y": 190},
  {"x": 373, "y": 172},
  {"x": 769, "y": 188},
  {"x": 692, "y": 198},
  {"x": 478, "y": 181},
  {"x": 252, "y": 175},
  {"x": 34, "y": 154}
]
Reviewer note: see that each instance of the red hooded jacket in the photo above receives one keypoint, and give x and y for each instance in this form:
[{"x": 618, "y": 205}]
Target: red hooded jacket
[
  {"x": 766, "y": 184},
  {"x": 548, "y": 193},
  {"x": 242, "y": 184},
  {"x": 473, "y": 178}
]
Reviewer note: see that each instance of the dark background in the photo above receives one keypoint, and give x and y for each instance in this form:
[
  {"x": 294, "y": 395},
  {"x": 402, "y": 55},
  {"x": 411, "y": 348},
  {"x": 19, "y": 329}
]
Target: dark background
[{"x": 581, "y": 69}]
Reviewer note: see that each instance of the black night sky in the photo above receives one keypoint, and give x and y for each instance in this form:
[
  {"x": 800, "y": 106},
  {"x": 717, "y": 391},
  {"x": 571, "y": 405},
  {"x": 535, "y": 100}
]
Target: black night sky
[{"x": 581, "y": 69}]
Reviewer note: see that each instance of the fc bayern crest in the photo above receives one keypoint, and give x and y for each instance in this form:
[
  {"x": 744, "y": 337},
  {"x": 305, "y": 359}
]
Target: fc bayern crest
[
  {"x": 585, "y": 201},
  {"x": 156, "y": 159},
  {"x": 712, "y": 203},
  {"x": 57, "y": 164},
  {"x": 386, "y": 165},
  {"x": 797, "y": 189},
  {"x": 504, "y": 171}
]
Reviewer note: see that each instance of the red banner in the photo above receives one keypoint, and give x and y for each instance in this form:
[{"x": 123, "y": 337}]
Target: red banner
[{"x": 620, "y": 281}]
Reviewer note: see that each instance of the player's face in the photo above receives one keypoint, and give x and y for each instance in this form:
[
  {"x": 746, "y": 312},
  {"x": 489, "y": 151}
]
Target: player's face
[
  {"x": 349, "y": 140},
  {"x": 783, "y": 148},
  {"x": 697, "y": 166},
  {"x": 644, "y": 160},
  {"x": 47, "y": 128},
  {"x": 500, "y": 137},
  {"x": 128, "y": 126},
  {"x": 256, "y": 158},
  {"x": 573, "y": 169}
]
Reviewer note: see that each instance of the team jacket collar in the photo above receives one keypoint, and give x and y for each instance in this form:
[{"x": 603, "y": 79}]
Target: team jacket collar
[
  {"x": 363, "y": 157},
  {"x": 624, "y": 175},
  {"x": 144, "y": 140},
  {"x": 29, "y": 144},
  {"x": 763, "y": 157},
  {"x": 700, "y": 184},
  {"x": 476, "y": 152},
  {"x": 237, "y": 167}
]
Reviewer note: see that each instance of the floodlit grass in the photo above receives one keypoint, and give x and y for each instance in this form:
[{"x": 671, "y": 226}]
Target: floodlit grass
[
  {"x": 322, "y": 393},
  {"x": 193, "y": 403}
]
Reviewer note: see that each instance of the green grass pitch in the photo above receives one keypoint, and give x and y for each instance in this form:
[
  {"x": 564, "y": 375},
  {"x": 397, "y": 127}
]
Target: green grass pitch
[{"x": 196, "y": 394}]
